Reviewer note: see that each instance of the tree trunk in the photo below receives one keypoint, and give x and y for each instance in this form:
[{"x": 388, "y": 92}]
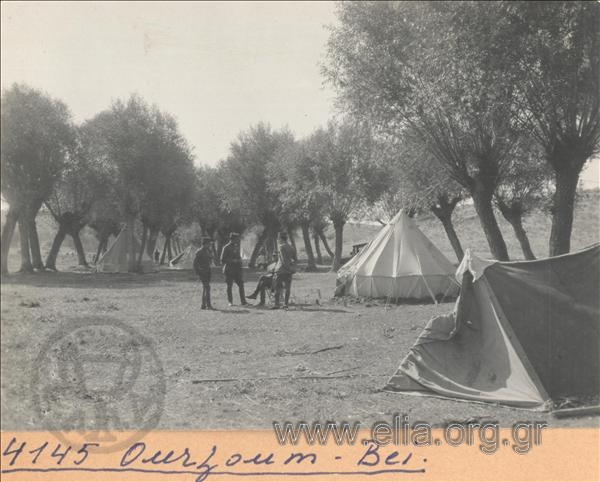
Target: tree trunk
[
  {"x": 34, "y": 245},
  {"x": 259, "y": 244},
  {"x": 102, "y": 243},
  {"x": 325, "y": 244},
  {"x": 97, "y": 255},
  {"x": 7, "y": 234},
  {"x": 212, "y": 234},
  {"x": 311, "y": 266},
  {"x": 74, "y": 232},
  {"x": 317, "y": 248},
  {"x": 26, "y": 266},
  {"x": 443, "y": 211},
  {"x": 292, "y": 236},
  {"x": 164, "y": 250},
  {"x": 339, "y": 244},
  {"x": 131, "y": 245},
  {"x": 169, "y": 251},
  {"x": 270, "y": 242},
  {"x": 219, "y": 248},
  {"x": 34, "y": 241},
  {"x": 55, "y": 248},
  {"x": 482, "y": 200},
  {"x": 152, "y": 239},
  {"x": 142, "y": 248},
  {"x": 513, "y": 213},
  {"x": 563, "y": 203},
  {"x": 521, "y": 235},
  {"x": 452, "y": 236}
]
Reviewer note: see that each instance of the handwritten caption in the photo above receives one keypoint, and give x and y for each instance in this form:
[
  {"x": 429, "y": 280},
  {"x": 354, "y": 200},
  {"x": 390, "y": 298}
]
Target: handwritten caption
[{"x": 21, "y": 456}]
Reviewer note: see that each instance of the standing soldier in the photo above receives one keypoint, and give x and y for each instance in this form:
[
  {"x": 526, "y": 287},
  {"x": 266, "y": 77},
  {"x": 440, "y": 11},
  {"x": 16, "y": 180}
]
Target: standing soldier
[
  {"x": 202, "y": 261},
  {"x": 232, "y": 267},
  {"x": 286, "y": 266}
]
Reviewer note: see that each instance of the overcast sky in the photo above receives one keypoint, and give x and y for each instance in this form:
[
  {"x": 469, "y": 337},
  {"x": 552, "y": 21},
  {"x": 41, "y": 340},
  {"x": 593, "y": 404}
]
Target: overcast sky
[{"x": 218, "y": 67}]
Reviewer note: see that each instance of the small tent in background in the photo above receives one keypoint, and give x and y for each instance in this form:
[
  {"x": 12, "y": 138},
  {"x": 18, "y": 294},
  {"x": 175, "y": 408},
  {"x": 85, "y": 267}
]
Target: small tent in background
[
  {"x": 117, "y": 256},
  {"x": 523, "y": 333},
  {"x": 399, "y": 263},
  {"x": 185, "y": 259}
]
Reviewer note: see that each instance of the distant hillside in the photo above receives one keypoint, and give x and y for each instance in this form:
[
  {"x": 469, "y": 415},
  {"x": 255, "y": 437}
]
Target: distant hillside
[{"x": 586, "y": 231}]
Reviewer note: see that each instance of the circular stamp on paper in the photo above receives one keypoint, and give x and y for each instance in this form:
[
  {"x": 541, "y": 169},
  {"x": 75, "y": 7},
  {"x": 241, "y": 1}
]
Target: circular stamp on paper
[{"x": 100, "y": 381}]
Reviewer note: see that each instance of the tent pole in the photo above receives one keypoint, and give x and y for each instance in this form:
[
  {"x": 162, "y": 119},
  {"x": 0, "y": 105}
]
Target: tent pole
[
  {"x": 429, "y": 289},
  {"x": 425, "y": 281}
]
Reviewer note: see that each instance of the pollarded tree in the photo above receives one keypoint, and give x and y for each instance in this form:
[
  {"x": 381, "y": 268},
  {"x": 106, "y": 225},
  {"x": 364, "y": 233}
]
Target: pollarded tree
[
  {"x": 341, "y": 164},
  {"x": 318, "y": 226},
  {"x": 207, "y": 201},
  {"x": 292, "y": 180},
  {"x": 246, "y": 180},
  {"x": 553, "y": 52},
  {"x": 168, "y": 178},
  {"x": 122, "y": 135},
  {"x": 525, "y": 186},
  {"x": 104, "y": 225},
  {"x": 390, "y": 188},
  {"x": 151, "y": 162},
  {"x": 106, "y": 215},
  {"x": 417, "y": 183},
  {"x": 209, "y": 198},
  {"x": 419, "y": 65},
  {"x": 85, "y": 181},
  {"x": 35, "y": 136},
  {"x": 209, "y": 207}
]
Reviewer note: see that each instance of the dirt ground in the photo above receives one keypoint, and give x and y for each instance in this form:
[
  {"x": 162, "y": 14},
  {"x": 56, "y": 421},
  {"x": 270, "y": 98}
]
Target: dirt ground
[{"x": 275, "y": 358}]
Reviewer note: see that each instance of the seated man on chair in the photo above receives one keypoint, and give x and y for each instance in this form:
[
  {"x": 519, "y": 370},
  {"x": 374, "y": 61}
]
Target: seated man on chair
[{"x": 265, "y": 282}]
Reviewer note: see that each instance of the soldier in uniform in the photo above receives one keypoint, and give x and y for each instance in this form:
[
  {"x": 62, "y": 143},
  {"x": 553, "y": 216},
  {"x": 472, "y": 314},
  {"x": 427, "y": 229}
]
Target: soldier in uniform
[
  {"x": 202, "y": 261},
  {"x": 232, "y": 267},
  {"x": 286, "y": 266},
  {"x": 265, "y": 282}
]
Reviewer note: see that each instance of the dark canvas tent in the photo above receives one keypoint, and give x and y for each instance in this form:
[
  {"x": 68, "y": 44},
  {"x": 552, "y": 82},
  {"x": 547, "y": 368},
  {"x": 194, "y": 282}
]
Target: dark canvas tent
[{"x": 522, "y": 334}]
